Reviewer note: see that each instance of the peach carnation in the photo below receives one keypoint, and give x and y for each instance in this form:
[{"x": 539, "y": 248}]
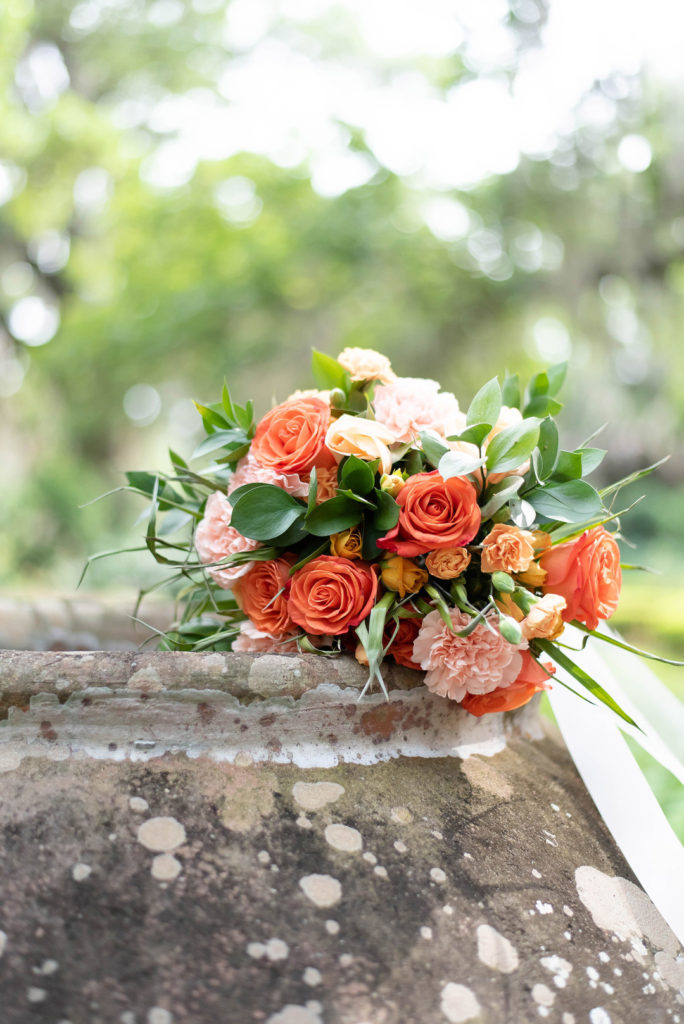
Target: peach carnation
[
  {"x": 534, "y": 676},
  {"x": 412, "y": 404},
  {"x": 215, "y": 539},
  {"x": 366, "y": 364},
  {"x": 507, "y": 549},
  {"x": 456, "y": 665},
  {"x": 326, "y": 484},
  {"x": 249, "y": 471},
  {"x": 252, "y": 641}
]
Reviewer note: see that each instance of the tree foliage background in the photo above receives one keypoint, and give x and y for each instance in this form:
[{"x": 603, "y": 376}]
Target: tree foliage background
[{"x": 193, "y": 190}]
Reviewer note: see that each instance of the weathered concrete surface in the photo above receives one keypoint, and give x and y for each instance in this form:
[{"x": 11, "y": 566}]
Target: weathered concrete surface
[{"x": 414, "y": 890}]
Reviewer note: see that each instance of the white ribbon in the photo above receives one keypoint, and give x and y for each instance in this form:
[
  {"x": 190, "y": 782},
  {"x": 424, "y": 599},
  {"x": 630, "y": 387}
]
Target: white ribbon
[{"x": 612, "y": 776}]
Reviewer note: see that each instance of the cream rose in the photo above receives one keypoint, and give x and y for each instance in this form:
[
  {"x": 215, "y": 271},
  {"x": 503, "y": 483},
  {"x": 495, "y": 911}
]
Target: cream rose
[
  {"x": 368, "y": 440},
  {"x": 366, "y": 364},
  {"x": 545, "y": 618}
]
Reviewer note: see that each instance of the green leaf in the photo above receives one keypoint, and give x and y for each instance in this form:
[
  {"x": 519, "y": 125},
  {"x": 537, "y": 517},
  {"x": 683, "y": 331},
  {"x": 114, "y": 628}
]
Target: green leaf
[
  {"x": 522, "y": 513},
  {"x": 328, "y": 373},
  {"x": 510, "y": 393},
  {"x": 414, "y": 462},
  {"x": 338, "y": 513},
  {"x": 500, "y": 495},
  {"x": 211, "y": 418},
  {"x": 433, "y": 448},
  {"x": 459, "y": 464},
  {"x": 313, "y": 491},
  {"x": 632, "y": 478},
  {"x": 220, "y": 439},
  {"x": 539, "y": 385},
  {"x": 608, "y": 638},
  {"x": 511, "y": 447},
  {"x": 591, "y": 459},
  {"x": 568, "y": 466},
  {"x": 387, "y": 515},
  {"x": 353, "y": 496},
  {"x": 264, "y": 511},
  {"x": 234, "y": 454},
  {"x": 582, "y": 677},
  {"x": 556, "y": 377},
  {"x": 548, "y": 448},
  {"x": 570, "y": 502},
  {"x": 227, "y": 403},
  {"x": 357, "y": 475},
  {"x": 542, "y": 405},
  {"x": 486, "y": 405},
  {"x": 473, "y": 435}
]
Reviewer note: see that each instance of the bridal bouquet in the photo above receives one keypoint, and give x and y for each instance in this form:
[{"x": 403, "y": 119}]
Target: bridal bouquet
[{"x": 372, "y": 515}]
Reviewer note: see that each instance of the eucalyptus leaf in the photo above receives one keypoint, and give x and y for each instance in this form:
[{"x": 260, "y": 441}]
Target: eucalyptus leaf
[
  {"x": 328, "y": 373},
  {"x": 473, "y": 435},
  {"x": 387, "y": 515},
  {"x": 591, "y": 459},
  {"x": 568, "y": 466},
  {"x": 511, "y": 447},
  {"x": 220, "y": 439},
  {"x": 332, "y": 516},
  {"x": 510, "y": 393},
  {"x": 264, "y": 511},
  {"x": 522, "y": 513},
  {"x": 548, "y": 448},
  {"x": 433, "y": 448},
  {"x": 486, "y": 405},
  {"x": 458, "y": 464},
  {"x": 501, "y": 495},
  {"x": 357, "y": 475},
  {"x": 570, "y": 502},
  {"x": 542, "y": 405}
]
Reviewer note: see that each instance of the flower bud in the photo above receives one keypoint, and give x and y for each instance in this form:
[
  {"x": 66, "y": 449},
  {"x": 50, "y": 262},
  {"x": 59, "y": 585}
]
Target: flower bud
[
  {"x": 510, "y": 630},
  {"x": 502, "y": 582},
  {"x": 392, "y": 483},
  {"x": 338, "y": 399}
]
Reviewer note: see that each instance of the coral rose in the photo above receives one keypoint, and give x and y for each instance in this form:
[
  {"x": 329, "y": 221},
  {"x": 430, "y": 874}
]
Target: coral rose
[
  {"x": 533, "y": 677},
  {"x": 507, "y": 549},
  {"x": 216, "y": 539},
  {"x": 366, "y": 364},
  {"x": 291, "y": 437},
  {"x": 586, "y": 572},
  {"x": 434, "y": 513},
  {"x": 368, "y": 440},
  {"x": 402, "y": 575},
  {"x": 249, "y": 471},
  {"x": 447, "y": 563},
  {"x": 330, "y": 594},
  {"x": 545, "y": 618},
  {"x": 259, "y": 595},
  {"x": 347, "y": 543},
  {"x": 401, "y": 647},
  {"x": 412, "y": 404},
  {"x": 456, "y": 665},
  {"x": 251, "y": 640}
]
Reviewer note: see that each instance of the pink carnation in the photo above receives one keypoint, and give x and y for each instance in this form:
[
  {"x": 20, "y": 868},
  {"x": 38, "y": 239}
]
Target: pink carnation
[
  {"x": 249, "y": 471},
  {"x": 215, "y": 538},
  {"x": 411, "y": 404},
  {"x": 252, "y": 641},
  {"x": 456, "y": 665}
]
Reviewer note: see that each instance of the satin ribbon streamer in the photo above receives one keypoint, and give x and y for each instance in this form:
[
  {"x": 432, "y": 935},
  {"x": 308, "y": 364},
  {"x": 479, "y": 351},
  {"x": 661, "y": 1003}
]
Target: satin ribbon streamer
[{"x": 611, "y": 774}]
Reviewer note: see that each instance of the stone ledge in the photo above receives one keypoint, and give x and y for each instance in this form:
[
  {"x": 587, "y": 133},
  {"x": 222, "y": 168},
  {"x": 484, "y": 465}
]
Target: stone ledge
[{"x": 25, "y": 674}]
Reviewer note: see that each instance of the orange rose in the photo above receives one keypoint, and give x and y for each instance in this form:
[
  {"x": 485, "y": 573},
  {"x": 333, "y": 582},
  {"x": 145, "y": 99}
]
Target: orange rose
[
  {"x": 330, "y": 594},
  {"x": 290, "y": 438},
  {"x": 532, "y": 678},
  {"x": 401, "y": 648},
  {"x": 256, "y": 594},
  {"x": 434, "y": 513},
  {"x": 586, "y": 572},
  {"x": 545, "y": 618},
  {"x": 507, "y": 549},
  {"x": 447, "y": 563}
]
